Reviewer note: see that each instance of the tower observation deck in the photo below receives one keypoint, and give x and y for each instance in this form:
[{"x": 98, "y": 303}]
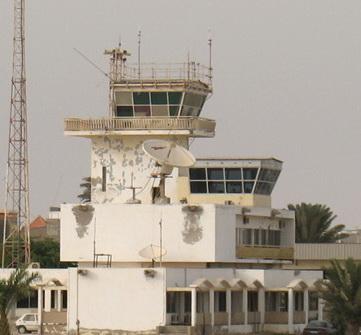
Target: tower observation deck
[{"x": 151, "y": 99}]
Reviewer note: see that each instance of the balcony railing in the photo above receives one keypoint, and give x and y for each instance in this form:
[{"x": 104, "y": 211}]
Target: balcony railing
[
  {"x": 327, "y": 251},
  {"x": 192, "y": 124}
]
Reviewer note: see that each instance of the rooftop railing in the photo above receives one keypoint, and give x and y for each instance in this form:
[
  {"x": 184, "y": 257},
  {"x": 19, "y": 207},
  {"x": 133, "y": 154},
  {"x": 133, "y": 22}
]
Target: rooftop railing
[
  {"x": 150, "y": 123},
  {"x": 171, "y": 71}
]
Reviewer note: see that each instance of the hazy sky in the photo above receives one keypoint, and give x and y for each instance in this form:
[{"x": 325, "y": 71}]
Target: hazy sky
[{"x": 287, "y": 84}]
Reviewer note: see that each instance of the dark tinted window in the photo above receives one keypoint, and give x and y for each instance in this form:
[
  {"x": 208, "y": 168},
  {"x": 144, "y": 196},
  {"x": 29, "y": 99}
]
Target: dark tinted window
[
  {"x": 198, "y": 187},
  {"x": 268, "y": 175},
  {"x": 174, "y": 98},
  {"x": 249, "y": 173},
  {"x": 215, "y": 187},
  {"x": 141, "y": 98},
  {"x": 124, "y": 111},
  {"x": 159, "y": 98},
  {"x": 233, "y": 174},
  {"x": 197, "y": 174},
  {"x": 215, "y": 174},
  {"x": 248, "y": 186},
  {"x": 233, "y": 187},
  {"x": 173, "y": 110}
]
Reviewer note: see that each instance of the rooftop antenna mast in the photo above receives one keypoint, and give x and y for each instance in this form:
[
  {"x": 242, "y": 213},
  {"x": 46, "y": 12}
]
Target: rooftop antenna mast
[
  {"x": 117, "y": 72},
  {"x": 210, "y": 69},
  {"x": 16, "y": 237},
  {"x": 139, "y": 44}
]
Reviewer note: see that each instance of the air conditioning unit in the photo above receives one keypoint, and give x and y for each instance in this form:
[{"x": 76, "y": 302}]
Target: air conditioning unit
[{"x": 34, "y": 265}]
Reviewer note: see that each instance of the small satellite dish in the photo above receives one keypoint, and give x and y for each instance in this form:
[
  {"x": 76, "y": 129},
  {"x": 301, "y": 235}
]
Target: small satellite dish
[
  {"x": 168, "y": 153},
  {"x": 152, "y": 252}
]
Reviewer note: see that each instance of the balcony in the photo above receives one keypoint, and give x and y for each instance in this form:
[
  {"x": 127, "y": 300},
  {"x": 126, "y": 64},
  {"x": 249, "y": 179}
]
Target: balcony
[
  {"x": 265, "y": 252},
  {"x": 188, "y": 126},
  {"x": 327, "y": 251}
]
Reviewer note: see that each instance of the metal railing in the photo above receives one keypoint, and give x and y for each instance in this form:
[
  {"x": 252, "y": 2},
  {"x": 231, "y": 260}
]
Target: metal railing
[
  {"x": 153, "y": 123},
  {"x": 327, "y": 251},
  {"x": 170, "y": 71}
]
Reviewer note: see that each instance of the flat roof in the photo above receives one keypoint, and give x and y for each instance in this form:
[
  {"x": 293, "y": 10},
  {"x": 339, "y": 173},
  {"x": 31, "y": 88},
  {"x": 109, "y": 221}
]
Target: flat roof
[{"x": 238, "y": 159}]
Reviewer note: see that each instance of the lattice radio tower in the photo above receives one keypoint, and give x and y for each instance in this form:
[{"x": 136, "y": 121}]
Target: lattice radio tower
[{"x": 16, "y": 236}]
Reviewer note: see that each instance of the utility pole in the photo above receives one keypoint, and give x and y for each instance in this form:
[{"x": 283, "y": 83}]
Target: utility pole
[{"x": 16, "y": 235}]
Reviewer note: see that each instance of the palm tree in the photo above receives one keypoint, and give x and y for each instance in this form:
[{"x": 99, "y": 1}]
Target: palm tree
[
  {"x": 313, "y": 224},
  {"x": 342, "y": 294},
  {"x": 85, "y": 196},
  {"x": 16, "y": 287}
]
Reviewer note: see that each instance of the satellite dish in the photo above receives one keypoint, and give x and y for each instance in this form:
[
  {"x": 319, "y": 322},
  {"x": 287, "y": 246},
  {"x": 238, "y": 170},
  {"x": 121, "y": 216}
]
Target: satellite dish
[
  {"x": 152, "y": 252},
  {"x": 168, "y": 153}
]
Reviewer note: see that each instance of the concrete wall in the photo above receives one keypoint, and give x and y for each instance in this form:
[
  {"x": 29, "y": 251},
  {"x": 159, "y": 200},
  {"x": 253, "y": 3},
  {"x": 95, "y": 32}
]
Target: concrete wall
[
  {"x": 186, "y": 277},
  {"x": 116, "y": 299},
  {"x": 282, "y": 278},
  {"x": 190, "y": 233},
  {"x": 123, "y": 230},
  {"x": 124, "y": 157}
]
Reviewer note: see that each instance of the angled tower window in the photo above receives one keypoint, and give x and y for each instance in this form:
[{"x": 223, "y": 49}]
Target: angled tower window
[
  {"x": 159, "y": 98},
  {"x": 268, "y": 175},
  {"x": 159, "y": 110},
  {"x": 141, "y": 111},
  {"x": 263, "y": 188},
  {"x": 141, "y": 98},
  {"x": 123, "y": 98},
  {"x": 173, "y": 110},
  {"x": 124, "y": 111},
  {"x": 248, "y": 186},
  {"x": 250, "y": 173},
  {"x": 175, "y": 98}
]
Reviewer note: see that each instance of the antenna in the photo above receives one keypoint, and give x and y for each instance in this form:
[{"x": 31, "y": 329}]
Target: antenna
[
  {"x": 210, "y": 69},
  {"x": 91, "y": 62},
  {"x": 167, "y": 155},
  {"x": 139, "y": 44},
  {"x": 16, "y": 237}
]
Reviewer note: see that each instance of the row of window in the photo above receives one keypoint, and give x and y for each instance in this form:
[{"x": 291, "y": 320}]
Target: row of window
[
  {"x": 274, "y": 301},
  {"x": 220, "y": 304},
  {"x": 278, "y": 301},
  {"x": 139, "y": 104},
  {"x": 232, "y": 180},
  {"x": 267, "y": 237},
  {"x": 31, "y": 301}
]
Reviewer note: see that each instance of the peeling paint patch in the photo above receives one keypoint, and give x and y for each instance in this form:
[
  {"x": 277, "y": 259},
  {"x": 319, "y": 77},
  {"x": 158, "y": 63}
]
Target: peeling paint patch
[
  {"x": 193, "y": 231},
  {"x": 83, "y": 216}
]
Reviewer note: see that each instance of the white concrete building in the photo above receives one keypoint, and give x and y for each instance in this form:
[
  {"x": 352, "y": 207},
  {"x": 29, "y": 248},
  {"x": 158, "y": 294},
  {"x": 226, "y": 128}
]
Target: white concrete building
[{"x": 224, "y": 244}]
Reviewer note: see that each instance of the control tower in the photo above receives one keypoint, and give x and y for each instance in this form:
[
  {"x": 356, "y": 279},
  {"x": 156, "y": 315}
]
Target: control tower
[{"x": 146, "y": 101}]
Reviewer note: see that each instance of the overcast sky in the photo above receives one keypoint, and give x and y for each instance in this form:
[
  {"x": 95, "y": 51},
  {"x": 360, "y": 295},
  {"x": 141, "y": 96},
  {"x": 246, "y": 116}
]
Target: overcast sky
[{"x": 287, "y": 84}]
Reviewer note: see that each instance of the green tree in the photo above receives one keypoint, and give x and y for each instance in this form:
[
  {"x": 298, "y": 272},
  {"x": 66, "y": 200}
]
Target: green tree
[
  {"x": 85, "y": 196},
  {"x": 47, "y": 253},
  {"x": 16, "y": 287},
  {"x": 313, "y": 224},
  {"x": 341, "y": 291}
]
